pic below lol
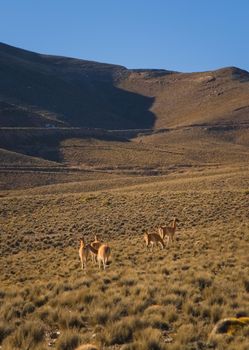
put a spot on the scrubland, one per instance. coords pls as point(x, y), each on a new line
point(160, 299)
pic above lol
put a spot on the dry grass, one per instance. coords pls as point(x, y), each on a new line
point(170, 300)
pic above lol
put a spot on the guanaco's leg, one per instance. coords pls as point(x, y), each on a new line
point(168, 238)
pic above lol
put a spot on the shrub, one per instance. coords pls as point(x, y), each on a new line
point(165, 271)
point(171, 314)
point(186, 334)
point(101, 316)
point(203, 281)
point(40, 301)
point(206, 313)
point(28, 309)
point(192, 310)
point(69, 319)
point(148, 339)
point(172, 299)
point(28, 335)
point(68, 341)
point(246, 285)
point(5, 330)
point(121, 332)
point(157, 321)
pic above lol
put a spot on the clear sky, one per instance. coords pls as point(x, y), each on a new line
point(182, 35)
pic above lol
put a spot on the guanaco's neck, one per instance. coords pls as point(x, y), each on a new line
point(93, 250)
point(82, 244)
point(174, 223)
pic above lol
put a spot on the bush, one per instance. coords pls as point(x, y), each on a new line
point(28, 309)
point(122, 331)
point(5, 330)
point(203, 281)
point(69, 319)
point(27, 336)
point(186, 334)
point(246, 285)
point(68, 341)
point(148, 339)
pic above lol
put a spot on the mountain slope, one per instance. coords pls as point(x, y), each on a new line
point(41, 90)
point(57, 109)
point(67, 91)
point(220, 96)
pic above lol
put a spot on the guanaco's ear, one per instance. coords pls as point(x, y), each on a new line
point(95, 237)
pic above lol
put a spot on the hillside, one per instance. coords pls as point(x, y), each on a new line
point(38, 90)
point(219, 96)
point(81, 113)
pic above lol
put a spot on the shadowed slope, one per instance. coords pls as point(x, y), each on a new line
point(39, 89)
point(66, 91)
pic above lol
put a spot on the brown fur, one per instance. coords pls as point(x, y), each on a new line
point(83, 253)
point(168, 231)
point(95, 244)
point(153, 238)
point(87, 347)
point(103, 254)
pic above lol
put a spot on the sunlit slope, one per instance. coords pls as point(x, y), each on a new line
point(219, 96)
point(37, 90)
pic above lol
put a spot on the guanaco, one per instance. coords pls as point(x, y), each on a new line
point(95, 244)
point(83, 253)
point(168, 231)
point(102, 254)
point(153, 238)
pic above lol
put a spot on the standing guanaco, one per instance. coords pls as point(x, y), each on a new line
point(83, 253)
point(153, 238)
point(95, 244)
point(102, 254)
point(168, 231)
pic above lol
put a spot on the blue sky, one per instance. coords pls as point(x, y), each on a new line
point(182, 35)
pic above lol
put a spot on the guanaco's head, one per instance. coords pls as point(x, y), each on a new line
point(175, 220)
point(82, 242)
point(146, 238)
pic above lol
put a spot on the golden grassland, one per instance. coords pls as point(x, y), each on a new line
point(165, 299)
point(159, 151)
point(59, 185)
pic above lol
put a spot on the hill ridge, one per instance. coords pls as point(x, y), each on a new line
point(39, 90)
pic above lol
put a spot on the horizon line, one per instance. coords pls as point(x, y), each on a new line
point(121, 65)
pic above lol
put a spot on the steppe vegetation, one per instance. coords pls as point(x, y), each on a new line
point(69, 168)
point(166, 299)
